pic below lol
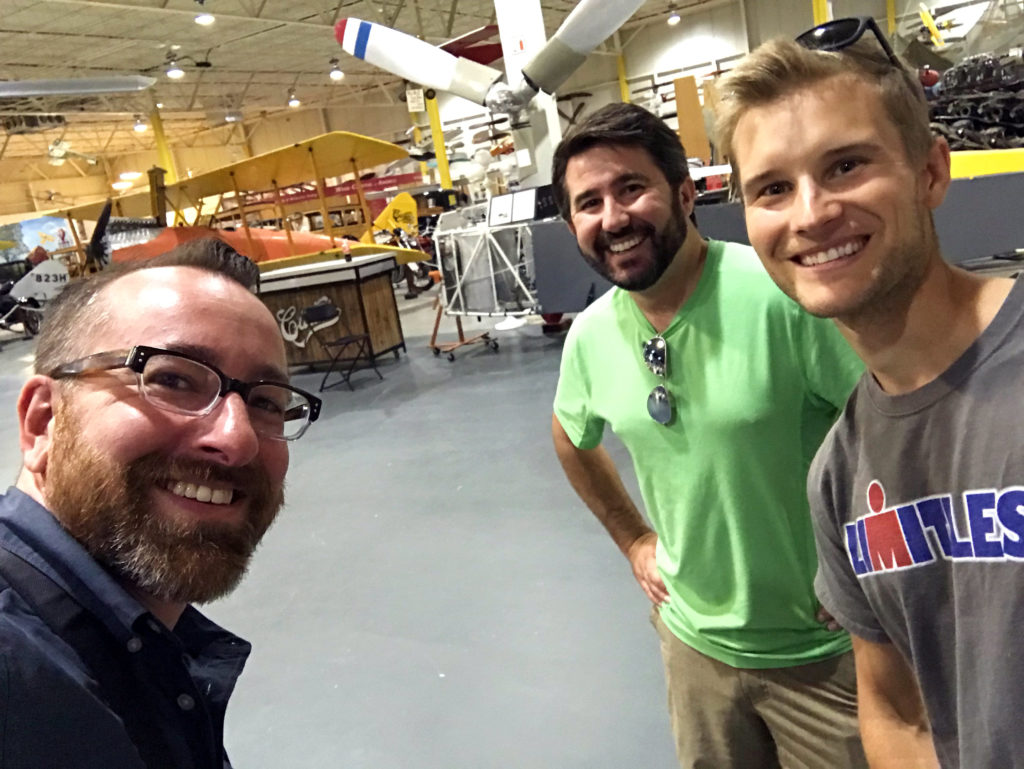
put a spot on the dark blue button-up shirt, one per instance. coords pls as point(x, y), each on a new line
point(52, 715)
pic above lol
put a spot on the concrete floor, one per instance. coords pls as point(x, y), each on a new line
point(434, 596)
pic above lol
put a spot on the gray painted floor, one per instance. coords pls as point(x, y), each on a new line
point(434, 596)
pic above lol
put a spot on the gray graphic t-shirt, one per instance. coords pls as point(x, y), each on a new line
point(918, 507)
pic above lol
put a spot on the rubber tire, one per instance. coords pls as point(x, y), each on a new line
point(30, 322)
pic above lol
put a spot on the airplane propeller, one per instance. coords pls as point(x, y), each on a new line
point(590, 22)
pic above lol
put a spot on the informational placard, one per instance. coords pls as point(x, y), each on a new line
point(524, 205)
point(515, 207)
point(415, 100)
point(500, 210)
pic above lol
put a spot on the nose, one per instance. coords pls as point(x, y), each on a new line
point(614, 215)
point(815, 207)
point(227, 434)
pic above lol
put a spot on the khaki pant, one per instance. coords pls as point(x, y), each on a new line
point(802, 717)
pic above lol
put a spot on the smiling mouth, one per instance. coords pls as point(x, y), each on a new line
point(625, 244)
point(831, 254)
point(199, 492)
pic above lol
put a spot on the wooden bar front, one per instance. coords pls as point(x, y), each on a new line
point(361, 289)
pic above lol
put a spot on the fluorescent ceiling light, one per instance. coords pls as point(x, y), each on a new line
point(129, 176)
point(122, 185)
point(673, 19)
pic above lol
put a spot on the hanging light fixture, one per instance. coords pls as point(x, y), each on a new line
point(121, 185)
point(673, 17)
point(293, 100)
point(205, 18)
point(336, 73)
point(140, 125)
point(129, 176)
point(174, 72)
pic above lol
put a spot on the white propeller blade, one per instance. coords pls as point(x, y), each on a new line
point(410, 58)
point(21, 89)
point(590, 23)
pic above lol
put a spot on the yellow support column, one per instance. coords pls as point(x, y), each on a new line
point(162, 150)
point(440, 151)
point(417, 137)
point(821, 12)
point(623, 85)
point(890, 15)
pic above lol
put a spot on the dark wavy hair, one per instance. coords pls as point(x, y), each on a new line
point(619, 124)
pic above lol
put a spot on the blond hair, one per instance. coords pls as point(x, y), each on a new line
point(780, 67)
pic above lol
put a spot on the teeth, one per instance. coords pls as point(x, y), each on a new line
point(625, 245)
point(200, 493)
point(837, 252)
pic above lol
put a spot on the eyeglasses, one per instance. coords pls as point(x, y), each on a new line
point(178, 382)
point(842, 33)
point(659, 402)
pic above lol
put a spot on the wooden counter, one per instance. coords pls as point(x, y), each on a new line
point(360, 287)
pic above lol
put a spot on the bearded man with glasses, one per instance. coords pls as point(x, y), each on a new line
point(721, 389)
point(917, 494)
point(154, 438)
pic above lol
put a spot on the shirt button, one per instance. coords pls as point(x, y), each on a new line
point(185, 702)
point(134, 644)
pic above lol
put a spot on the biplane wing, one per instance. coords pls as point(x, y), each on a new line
point(331, 155)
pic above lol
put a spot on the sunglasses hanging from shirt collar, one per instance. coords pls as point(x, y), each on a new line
point(659, 402)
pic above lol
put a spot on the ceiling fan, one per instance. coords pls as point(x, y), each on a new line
point(59, 151)
point(54, 197)
point(23, 89)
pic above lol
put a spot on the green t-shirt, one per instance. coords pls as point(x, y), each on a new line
point(756, 383)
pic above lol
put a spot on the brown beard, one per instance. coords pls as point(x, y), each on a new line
point(106, 507)
point(665, 243)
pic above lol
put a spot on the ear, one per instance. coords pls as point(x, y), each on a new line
point(570, 225)
point(35, 422)
point(688, 195)
point(935, 176)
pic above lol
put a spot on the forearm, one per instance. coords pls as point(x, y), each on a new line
point(596, 480)
point(893, 722)
point(890, 743)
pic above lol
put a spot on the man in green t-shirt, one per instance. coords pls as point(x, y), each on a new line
point(721, 389)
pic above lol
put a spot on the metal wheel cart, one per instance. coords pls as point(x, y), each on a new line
point(486, 271)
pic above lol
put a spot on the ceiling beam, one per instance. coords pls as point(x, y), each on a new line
point(451, 19)
point(419, 18)
point(114, 4)
point(394, 17)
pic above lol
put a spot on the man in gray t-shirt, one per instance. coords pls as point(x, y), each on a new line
point(920, 534)
point(917, 493)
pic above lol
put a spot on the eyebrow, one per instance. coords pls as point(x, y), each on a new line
point(828, 155)
point(618, 181)
point(265, 371)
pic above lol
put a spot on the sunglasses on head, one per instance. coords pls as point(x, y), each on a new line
point(838, 34)
point(659, 402)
